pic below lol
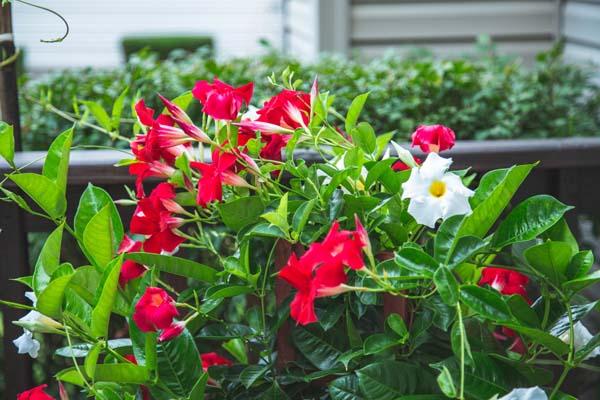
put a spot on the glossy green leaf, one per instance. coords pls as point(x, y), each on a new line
point(322, 349)
point(279, 217)
point(43, 191)
point(416, 260)
point(50, 300)
point(379, 342)
point(487, 303)
point(252, 373)
point(83, 349)
point(120, 373)
point(398, 326)
point(178, 364)
point(302, 215)
point(539, 336)
point(7, 143)
point(48, 260)
point(550, 259)
point(580, 264)
point(560, 232)
point(92, 201)
point(117, 110)
point(446, 284)
point(465, 248)
point(388, 380)
point(198, 390)
point(175, 265)
point(364, 137)
point(446, 236)
point(100, 114)
point(458, 338)
point(56, 165)
point(99, 237)
point(91, 360)
point(446, 383)
point(106, 299)
point(345, 388)
point(354, 111)
point(237, 349)
point(528, 220)
point(522, 311)
point(241, 212)
point(581, 283)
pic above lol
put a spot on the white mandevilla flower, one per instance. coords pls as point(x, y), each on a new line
point(434, 192)
point(532, 393)
point(26, 344)
point(581, 337)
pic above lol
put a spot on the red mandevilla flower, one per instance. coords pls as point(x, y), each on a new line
point(155, 310)
point(505, 281)
point(37, 393)
point(433, 138)
point(212, 359)
point(130, 269)
point(289, 109)
point(214, 175)
point(172, 331)
point(220, 100)
point(153, 219)
point(320, 271)
point(507, 334)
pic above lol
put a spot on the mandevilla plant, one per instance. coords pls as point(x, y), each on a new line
point(360, 272)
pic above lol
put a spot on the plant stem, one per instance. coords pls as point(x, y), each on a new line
point(461, 394)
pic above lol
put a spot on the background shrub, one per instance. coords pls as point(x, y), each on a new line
point(485, 98)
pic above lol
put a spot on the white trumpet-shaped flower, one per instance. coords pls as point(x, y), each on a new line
point(581, 337)
point(26, 344)
point(434, 192)
point(532, 393)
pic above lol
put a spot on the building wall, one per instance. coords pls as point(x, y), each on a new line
point(98, 26)
point(581, 30)
point(446, 27)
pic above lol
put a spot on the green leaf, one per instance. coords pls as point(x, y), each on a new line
point(56, 166)
point(119, 373)
point(446, 383)
point(100, 114)
point(522, 311)
point(7, 143)
point(398, 326)
point(237, 349)
point(354, 111)
point(178, 364)
point(92, 201)
point(301, 215)
point(581, 283)
point(379, 342)
point(539, 336)
point(560, 232)
point(241, 212)
point(446, 285)
point(321, 349)
point(446, 236)
point(198, 390)
point(83, 349)
point(364, 137)
point(106, 299)
point(48, 260)
point(345, 388)
point(43, 191)
point(388, 380)
point(99, 237)
point(416, 260)
point(458, 338)
point(491, 198)
point(550, 259)
point(91, 360)
point(278, 218)
point(528, 220)
point(117, 110)
point(224, 291)
point(487, 303)
point(465, 248)
point(580, 264)
point(252, 373)
point(176, 266)
point(50, 300)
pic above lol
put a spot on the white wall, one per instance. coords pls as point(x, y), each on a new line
point(97, 27)
point(581, 30)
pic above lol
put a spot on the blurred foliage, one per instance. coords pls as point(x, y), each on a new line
point(487, 97)
point(164, 45)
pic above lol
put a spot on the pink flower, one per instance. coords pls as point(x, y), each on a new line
point(153, 219)
point(130, 269)
point(155, 310)
point(215, 175)
point(220, 100)
point(172, 331)
point(37, 393)
point(433, 138)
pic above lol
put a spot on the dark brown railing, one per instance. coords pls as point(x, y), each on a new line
point(569, 169)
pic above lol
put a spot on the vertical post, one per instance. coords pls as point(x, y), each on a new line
point(13, 236)
point(285, 349)
point(334, 26)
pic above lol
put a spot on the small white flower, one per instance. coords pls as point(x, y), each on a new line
point(532, 393)
point(582, 337)
point(26, 344)
point(434, 192)
point(31, 296)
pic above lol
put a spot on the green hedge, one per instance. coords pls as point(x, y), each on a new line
point(164, 45)
point(485, 98)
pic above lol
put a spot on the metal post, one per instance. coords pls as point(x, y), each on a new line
point(13, 236)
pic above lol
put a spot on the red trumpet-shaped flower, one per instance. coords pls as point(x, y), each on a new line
point(130, 269)
point(505, 281)
point(153, 219)
point(155, 310)
point(516, 344)
point(212, 359)
point(433, 138)
point(220, 100)
point(320, 272)
point(215, 175)
point(37, 393)
point(289, 109)
point(172, 331)
point(185, 123)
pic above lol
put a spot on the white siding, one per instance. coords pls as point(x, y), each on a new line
point(98, 26)
point(581, 30)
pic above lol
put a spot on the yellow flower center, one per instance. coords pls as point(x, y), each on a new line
point(437, 188)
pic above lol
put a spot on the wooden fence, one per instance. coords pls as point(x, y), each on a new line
point(569, 169)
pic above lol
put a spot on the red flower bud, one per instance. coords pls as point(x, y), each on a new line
point(433, 138)
point(155, 310)
point(37, 393)
point(130, 269)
